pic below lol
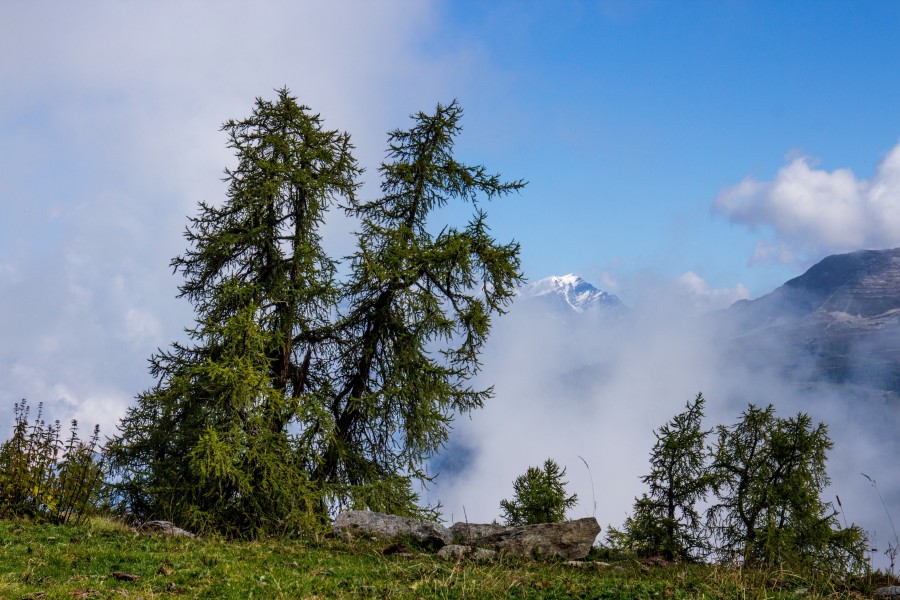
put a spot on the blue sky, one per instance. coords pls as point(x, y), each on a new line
point(629, 119)
point(720, 146)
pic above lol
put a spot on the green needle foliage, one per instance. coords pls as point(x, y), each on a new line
point(539, 496)
point(769, 474)
point(766, 474)
point(299, 393)
point(210, 445)
point(419, 308)
point(665, 520)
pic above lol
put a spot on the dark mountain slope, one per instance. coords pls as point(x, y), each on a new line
point(838, 322)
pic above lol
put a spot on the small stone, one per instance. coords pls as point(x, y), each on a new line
point(891, 591)
point(454, 552)
point(578, 564)
point(457, 552)
point(483, 555)
point(655, 561)
point(167, 528)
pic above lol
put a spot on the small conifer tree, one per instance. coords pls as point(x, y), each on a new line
point(665, 520)
point(539, 496)
point(769, 474)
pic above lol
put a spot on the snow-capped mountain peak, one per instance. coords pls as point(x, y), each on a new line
point(571, 290)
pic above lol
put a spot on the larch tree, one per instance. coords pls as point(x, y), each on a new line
point(209, 445)
point(769, 474)
point(419, 303)
point(299, 393)
point(539, 496)
point(665, 520)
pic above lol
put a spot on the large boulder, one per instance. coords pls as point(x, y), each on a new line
point(571, 540)
point(364, 523)
point(469, 533)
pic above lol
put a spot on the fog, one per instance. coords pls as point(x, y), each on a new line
point(589, 389)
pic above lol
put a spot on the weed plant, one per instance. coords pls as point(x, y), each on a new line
point(44, 476)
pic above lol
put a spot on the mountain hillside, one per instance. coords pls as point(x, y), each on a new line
point(838, 322)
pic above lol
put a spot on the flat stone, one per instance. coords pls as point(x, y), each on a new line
point(454, 552)
point(891, 591)
point(483, 555)
point(458, 551)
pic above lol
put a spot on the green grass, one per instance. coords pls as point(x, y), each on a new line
point(45, 561)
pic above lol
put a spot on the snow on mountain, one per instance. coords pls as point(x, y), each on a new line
point(571, 291)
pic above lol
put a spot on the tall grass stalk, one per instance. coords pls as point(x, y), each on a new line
point(893, 547)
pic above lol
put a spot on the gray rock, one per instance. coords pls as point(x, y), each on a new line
point(468, 533)
point(364, 523)
point(454, 552)
point(578, 564)
point(582, 564)
point(166, 528)
point(892, 591)
point(483, 555)
point(458, 551)
point(571, 540)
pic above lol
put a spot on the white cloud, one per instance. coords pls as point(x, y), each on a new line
point(708, 298)
point(109, 136)
point(596, 389)
point(813, 212)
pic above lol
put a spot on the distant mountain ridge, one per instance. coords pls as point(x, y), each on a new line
point(864, 284)
point(569, 292)
point(838, 322)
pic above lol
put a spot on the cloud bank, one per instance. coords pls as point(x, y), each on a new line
point(812, 212)
point(109, 136)
point(591, 388)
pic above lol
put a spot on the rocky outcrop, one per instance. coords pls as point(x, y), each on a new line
point(363, 523)
point(571, 540)
point(838, 323)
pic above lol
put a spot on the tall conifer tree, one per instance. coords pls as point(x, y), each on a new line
point(209, 444)
point(419, 305)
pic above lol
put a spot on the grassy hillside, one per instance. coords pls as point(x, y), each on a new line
point(103, 559)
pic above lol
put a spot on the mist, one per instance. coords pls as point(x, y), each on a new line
point(589, 389)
